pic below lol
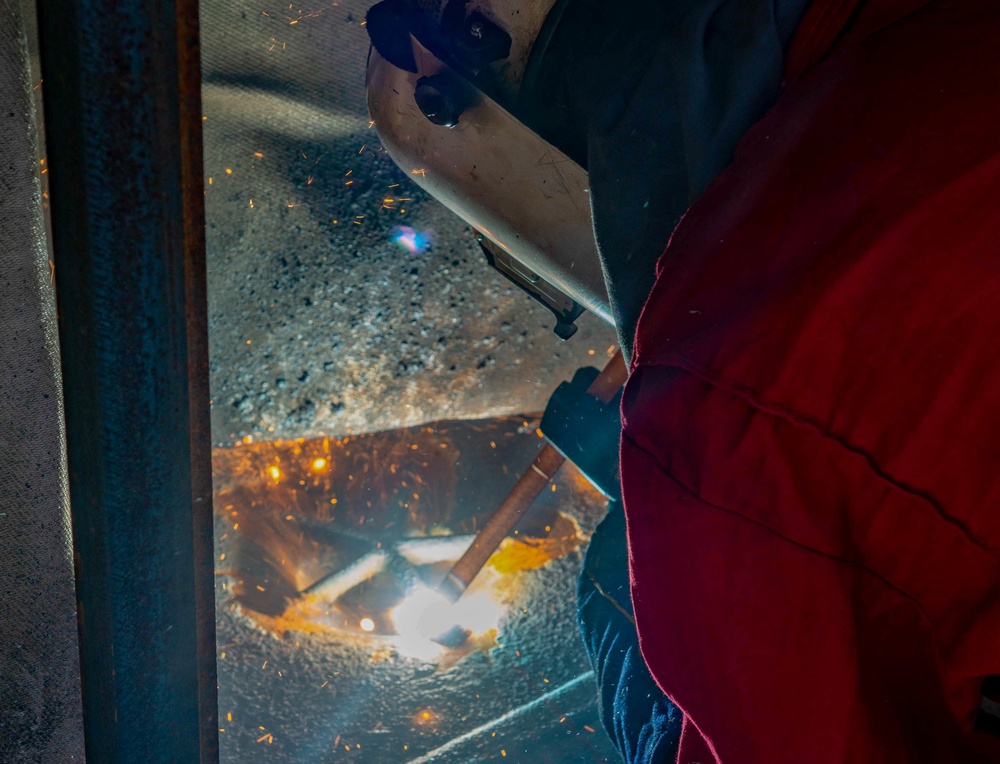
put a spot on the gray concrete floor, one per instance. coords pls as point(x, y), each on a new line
point(320, 324)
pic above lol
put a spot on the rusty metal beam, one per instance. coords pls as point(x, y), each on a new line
point(123, 126)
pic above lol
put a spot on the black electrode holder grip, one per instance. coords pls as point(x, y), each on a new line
point(586, 431)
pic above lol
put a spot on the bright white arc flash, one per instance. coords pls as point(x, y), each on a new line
point(426, 614)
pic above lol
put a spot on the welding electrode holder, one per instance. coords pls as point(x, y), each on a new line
point(605, 388)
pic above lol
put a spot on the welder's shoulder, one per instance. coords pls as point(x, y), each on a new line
point(843, 275)
point(813, 411)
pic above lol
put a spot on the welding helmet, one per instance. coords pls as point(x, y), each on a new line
point(464, 100)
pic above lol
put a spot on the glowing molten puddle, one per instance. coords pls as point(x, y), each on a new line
point(348, 537)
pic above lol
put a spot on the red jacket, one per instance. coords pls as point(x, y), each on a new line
point(811, 450)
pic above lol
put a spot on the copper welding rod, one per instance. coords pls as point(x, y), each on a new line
point(532, 483)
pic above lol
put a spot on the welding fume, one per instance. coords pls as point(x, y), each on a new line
point(788, 211)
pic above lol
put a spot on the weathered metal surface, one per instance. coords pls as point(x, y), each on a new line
point(122, 112)
point(305, 680)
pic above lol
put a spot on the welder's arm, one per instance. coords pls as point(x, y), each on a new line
point(644, 725)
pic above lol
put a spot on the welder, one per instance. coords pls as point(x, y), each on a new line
point(796, 205)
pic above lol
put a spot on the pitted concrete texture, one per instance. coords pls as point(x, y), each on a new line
point(41, 717)
point(319, 323)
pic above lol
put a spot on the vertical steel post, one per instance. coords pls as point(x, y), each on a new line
point(123, 127)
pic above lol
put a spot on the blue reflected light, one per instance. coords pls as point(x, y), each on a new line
point(413, 241)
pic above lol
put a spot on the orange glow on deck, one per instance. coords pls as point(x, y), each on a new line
point(390, 498)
